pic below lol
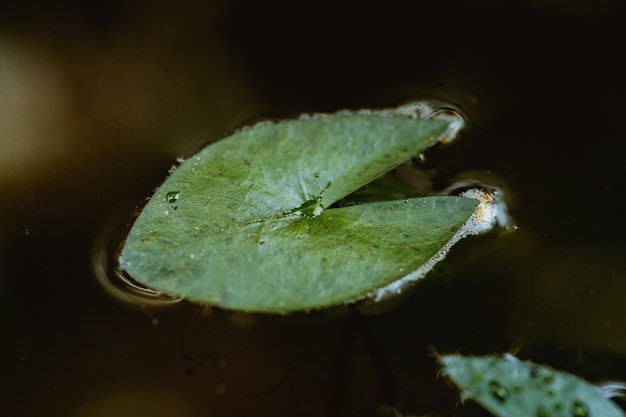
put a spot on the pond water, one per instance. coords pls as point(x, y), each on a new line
point(98, 102)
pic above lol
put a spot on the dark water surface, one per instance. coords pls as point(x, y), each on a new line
point(98, 101)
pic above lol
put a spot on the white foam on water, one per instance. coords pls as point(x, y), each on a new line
point(494, 185)
point(484, 219)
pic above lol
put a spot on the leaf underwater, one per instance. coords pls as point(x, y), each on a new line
point(508, 387)
point(245, 224)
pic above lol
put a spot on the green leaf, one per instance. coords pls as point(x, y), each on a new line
point(508, 387)
point(246, 223)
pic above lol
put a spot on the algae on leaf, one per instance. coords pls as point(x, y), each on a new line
point(508, 387)
point(247, 222)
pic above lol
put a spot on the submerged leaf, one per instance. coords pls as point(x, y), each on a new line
point(508, 387)
point(245, 223)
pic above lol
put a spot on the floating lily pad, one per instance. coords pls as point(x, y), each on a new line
point(508, 387)
point(247, 223)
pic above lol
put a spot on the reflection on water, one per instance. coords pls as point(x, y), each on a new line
point(109, 274)
point(212, 342)
point(127, 399)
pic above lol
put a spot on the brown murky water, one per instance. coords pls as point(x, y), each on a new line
point(98, 101)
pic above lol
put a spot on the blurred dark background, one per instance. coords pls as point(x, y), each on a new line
point(98, 99)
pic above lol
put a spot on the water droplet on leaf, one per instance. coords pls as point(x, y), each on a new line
point(498, 391)
point(535, 371)
point(579, 409)
point(172, 196)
